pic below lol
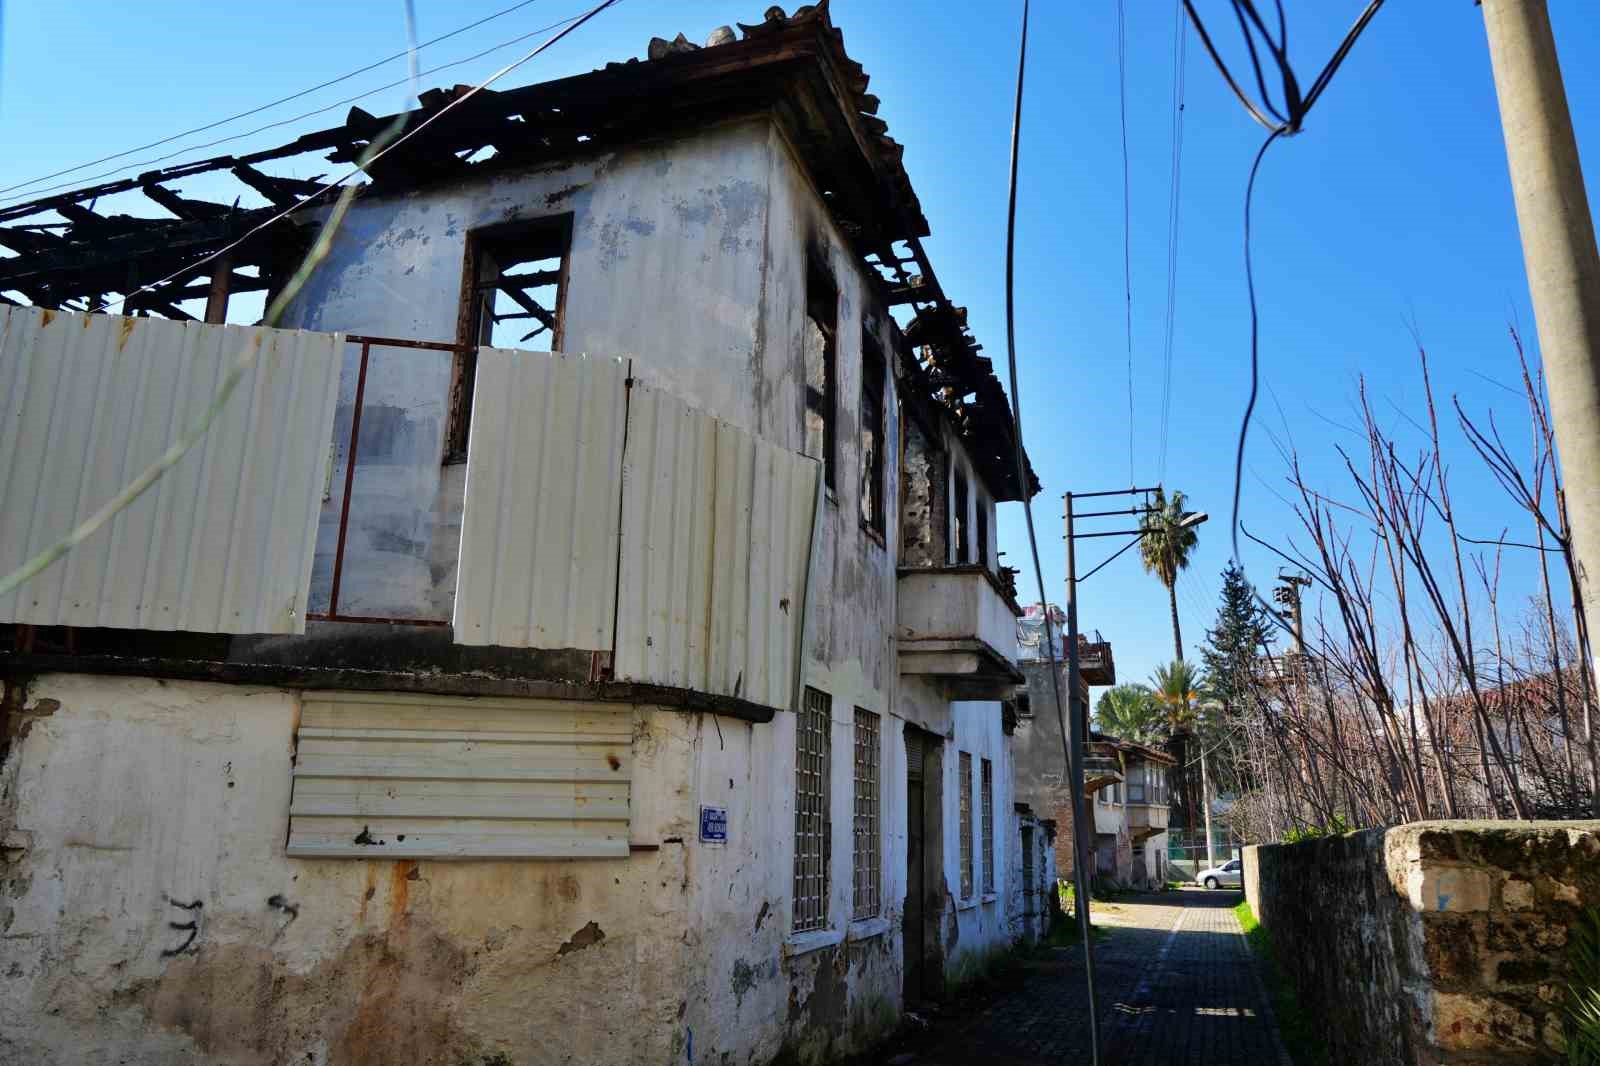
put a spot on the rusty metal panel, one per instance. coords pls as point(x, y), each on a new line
point(717, 529)
point(223, 542)
point(544, 476)
point(384, 775)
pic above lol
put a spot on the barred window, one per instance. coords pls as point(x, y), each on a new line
point(988, 826)
point(869, 847)
point(813, 750)
point(966, 825)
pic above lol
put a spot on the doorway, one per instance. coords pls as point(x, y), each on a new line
point(924, 955)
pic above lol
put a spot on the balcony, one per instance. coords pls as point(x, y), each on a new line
point(1145, 820)
point(1101, 768)
point(1095, 664)
point(958, 625)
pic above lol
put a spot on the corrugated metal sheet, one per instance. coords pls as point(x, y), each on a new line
point(717, 529)
point(223, 542)
point(397, 776)
point(544, 477)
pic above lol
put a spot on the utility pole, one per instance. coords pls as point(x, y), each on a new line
point(1558, 246)
point(1075, 739)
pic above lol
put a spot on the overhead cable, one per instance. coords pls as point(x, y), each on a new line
point(361, 166)
point(1127, 225)
point(187, 149)
point(1280, 121)
point(407, 53)
point(1022, 479)
point(1179, 63)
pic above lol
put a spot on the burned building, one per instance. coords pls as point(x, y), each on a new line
point(579, 638)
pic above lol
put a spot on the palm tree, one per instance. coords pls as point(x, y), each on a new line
point(1176, 688)
point(1164, 546)
point(1129, 712)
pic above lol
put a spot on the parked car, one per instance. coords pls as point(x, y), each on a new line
point(1228, 875)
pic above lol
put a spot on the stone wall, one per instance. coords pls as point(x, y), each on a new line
point(1430, 943)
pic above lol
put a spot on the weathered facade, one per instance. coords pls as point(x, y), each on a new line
point(637, 706)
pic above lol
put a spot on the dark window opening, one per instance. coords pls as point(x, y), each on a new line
point(872, 435)
point(983, 530)
point(822, 314)
point(959, 505)
point(513, 296)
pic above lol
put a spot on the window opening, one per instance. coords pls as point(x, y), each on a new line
point(821, 325)
point(963, 548)
point(983, 529)
point(966, 825)
point(872, 434)
point(988, 826)
point(514, 297)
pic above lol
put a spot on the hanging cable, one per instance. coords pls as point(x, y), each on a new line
point(1127, 228)
point(1179, 62)
point(1027, 504)
point(407, 53)
point(1285, 120)
point(187, 149)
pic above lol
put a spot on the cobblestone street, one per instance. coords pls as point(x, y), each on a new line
point(1177, 985)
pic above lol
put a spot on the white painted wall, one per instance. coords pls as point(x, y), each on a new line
point(127, 794)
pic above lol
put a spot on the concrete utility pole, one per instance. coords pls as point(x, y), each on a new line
point(1558, 245)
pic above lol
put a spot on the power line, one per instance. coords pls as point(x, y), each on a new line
point(187, 149)
point(1127, 228)
point(361, 166)
point(1179, 62)
point(407, 53)
point(1286, 120)
point(1027, 511)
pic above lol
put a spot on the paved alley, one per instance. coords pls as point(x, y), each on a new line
point(1177, 985)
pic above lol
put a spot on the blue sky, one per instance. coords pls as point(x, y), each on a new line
point(1393, 207)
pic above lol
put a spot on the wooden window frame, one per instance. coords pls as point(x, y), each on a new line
point(474, 327)
point(874, 373)
point(822, 308)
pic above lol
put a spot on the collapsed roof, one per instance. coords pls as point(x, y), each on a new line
point(68, 255)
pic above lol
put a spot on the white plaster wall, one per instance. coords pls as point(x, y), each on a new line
point(983, 922)
point(667, 265)
point(127, 794)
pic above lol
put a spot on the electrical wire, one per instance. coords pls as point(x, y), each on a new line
point(1033, 538)
point(1127, 224)
point(1285, 121)
point(1179, 64)
point(408, 54)
point(187, 149)
point(361, 167)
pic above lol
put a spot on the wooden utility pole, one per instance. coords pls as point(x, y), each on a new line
point(1558, 246)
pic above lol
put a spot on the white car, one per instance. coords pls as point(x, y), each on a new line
point(1228, 875)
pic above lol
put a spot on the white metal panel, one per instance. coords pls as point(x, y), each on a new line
point(382, 775)
point(539, 530)
point(717, 529)
point(223, 542)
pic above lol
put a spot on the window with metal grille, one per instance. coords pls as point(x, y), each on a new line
point(813, 750)
point(966, 825)
point(988, 825)
point(869, 847)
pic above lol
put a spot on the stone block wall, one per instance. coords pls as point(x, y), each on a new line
point(1432, 943)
